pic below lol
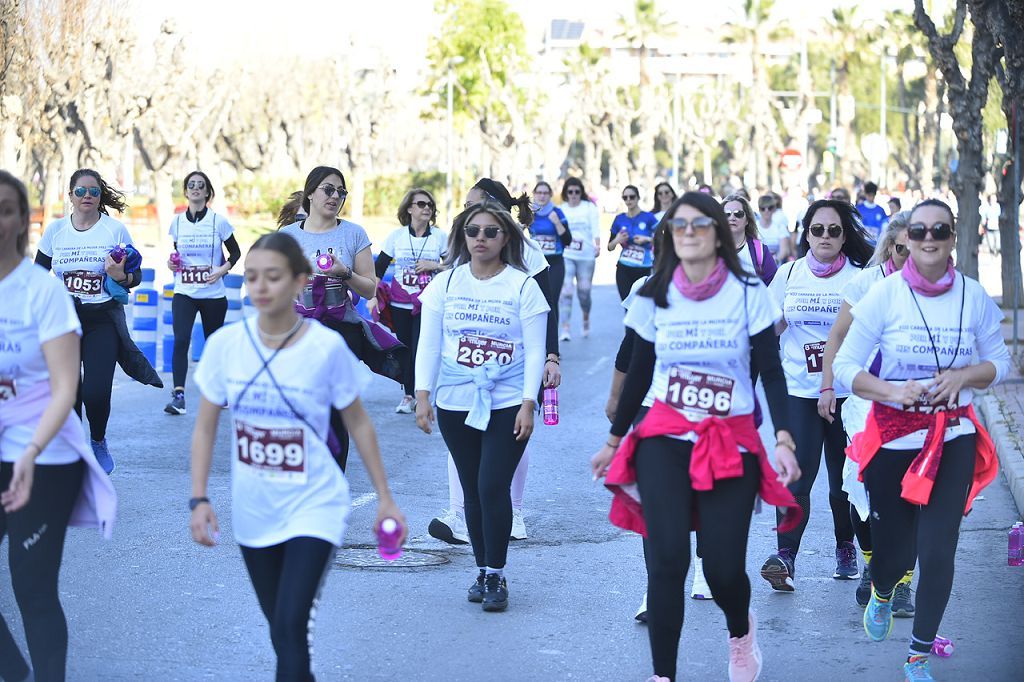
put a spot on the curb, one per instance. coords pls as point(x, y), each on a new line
point(1008, 447)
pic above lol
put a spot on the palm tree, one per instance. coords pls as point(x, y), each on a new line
point(638, 30)
point(850, 40)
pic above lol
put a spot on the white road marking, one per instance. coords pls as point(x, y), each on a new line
point(365, 498)
point(597, 365)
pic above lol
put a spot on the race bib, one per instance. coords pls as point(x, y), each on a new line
point(707, 394)
point(274, 454)
point(409, 277)
point(475, 351)
point(83, 282)
point(631, 253)
point(8, 388)
point(922, 406)
point(576, 245)
point(814, 354)
point(197, 275)
point(547, 243)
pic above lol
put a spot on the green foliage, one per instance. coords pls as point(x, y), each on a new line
point(259, 195)
point(385, 192)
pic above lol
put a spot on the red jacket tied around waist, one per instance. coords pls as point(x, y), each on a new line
point(715, 456)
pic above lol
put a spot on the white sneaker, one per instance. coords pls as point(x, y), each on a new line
point(450, 527)
point(641, 613)
point(745, 655)
point(565, 336)
point(700, 589)
point(518, 525)
point(406, 406)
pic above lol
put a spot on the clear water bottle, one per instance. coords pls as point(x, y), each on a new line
point(324, 261)
point(176, 260)
point(942, 647)
point(118, 253)
point(1015, 552)
point(389, 536)
point(550, 406)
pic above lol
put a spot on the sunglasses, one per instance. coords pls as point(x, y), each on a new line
point(573, 191)
point(331, 190)
point(423, 204)
point(768, 207)
point(739, 215)
point(80, 191)
point(197, 184)
point(473, 231)
point(629, 197)
point(901, 249)
point(834, 231)
point(701, 223)
point(940, 232)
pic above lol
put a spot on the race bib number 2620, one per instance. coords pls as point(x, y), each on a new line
point(475, 351)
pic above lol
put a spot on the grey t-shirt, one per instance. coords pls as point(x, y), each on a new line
point(343, 242)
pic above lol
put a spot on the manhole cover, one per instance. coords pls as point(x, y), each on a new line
point(366, 556)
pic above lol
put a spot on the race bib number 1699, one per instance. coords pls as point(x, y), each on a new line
point(274, 454)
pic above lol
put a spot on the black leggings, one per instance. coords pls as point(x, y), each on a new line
point(37, 545)
point(904, 532)
point(663, 478)
point(626, 276)
point(356, 342)
point(810, 432)
point(407, 329)
point(556, 277)
point(212, 311)
point(486, 462)
point(288, 578)
point(100, 346)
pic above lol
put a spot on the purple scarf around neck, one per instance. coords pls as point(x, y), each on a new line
point(700, 291)
point(820, 269)
point(921, 285)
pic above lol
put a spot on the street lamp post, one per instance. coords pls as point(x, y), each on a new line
point(454, 61)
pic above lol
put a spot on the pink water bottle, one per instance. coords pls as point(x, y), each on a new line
point(550, 406)
point(118, 253)
point(1015, 552)
point(388, 539)
point(942, 647)
point(176, 260)
point(324, 261)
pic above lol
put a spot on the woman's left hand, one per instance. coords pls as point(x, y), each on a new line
point(786, 465)
point(426, 266)
point(946, 387)
point(524, 421)
point(552, 374)
point(388, 509)
point(218, 272)
point(338, 269)
point(19, 492)
point(600, 461)
point(114, 269)
point(640, 240)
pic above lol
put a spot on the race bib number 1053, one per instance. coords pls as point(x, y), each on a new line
point(83, 283)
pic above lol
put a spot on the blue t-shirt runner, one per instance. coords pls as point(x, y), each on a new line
point(635, 255)
point(543, 231)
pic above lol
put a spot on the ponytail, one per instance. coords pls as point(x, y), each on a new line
point(290, 209)
point(525, 212)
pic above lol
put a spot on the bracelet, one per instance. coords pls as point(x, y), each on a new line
point(554, 360)
point(613, 446)
point(196, 501)
point(788, 444)
point(829, 388)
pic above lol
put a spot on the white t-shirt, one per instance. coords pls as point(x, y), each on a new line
point(888, 317)
point(772, 235)
point(201, 247)
point(810, 306)
point(861, 283)
point(491, 315)
point(78, 256)
point(284, 482)
point(36, 309)
point(702, 348)
point(627, 303)
point(405, 250)
point(585, 226)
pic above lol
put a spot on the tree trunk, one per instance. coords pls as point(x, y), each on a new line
point(930, 134)
point(1009, 256)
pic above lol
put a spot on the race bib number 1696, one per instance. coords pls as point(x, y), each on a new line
point(708, 394)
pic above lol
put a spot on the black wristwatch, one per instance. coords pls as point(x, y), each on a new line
point(347, 276)
point(196, 501)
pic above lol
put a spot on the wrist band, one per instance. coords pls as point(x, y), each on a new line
point(827, 389)
point(552, 360)
point(613, 445)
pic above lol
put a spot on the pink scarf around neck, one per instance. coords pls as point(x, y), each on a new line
point(921, 285)
point(820, 269)
point(700, 291)
point(889, 267)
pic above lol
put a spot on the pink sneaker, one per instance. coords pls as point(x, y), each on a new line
point(745, 655)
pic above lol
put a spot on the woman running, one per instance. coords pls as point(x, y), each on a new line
point(80, 249)
point(698, 320)
point(754, 255)
point(200, 236)
point(550, 231)
point(664, 196)
point(416, 249)
point(774, 230)
point(634, 232)
point(580, 255)
point(809, 291)
point(480, 359)
point(281, 375)
point(924, 455)
point(48, 473)
point(890, 255)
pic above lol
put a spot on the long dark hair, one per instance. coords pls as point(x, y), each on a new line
point(750, 229)
point(210, 192)
point(940, 204)
point(665, 264)
point(657, 201)
point(286, 245)
point(109, 197)
point(573, 181)
point(21, 194)
point(458, 251)
point(855, 244)
point(291, 209)
point(498, 192)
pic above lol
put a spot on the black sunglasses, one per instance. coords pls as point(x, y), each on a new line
point(573, 191)
point(329, 191)
point(901, 249)
point(940, 232)
point(834, 231)
point(473, 231)
point(423, 204)
point(629, 197)
point(196, 184)
point(739, 215)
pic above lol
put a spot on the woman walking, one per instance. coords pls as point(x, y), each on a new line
point(754, 255)
point(580, 255)
point(664, 196)
point(550, 231)
point(634, 232)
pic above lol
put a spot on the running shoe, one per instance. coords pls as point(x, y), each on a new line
point(846, 562)
point(495, 593)
point(917, 669)
point(406, 406)
point(878, 618)
point(641, 613)
point(99, 449)
point(864, 589)
point(476, 590)
point(450, 527)
point(177, 404)
point(700, 589)
point(745, 655)
point(586, 328)
point(565, 335)
point(518, 525)
point(903, 601)
point(780, 571)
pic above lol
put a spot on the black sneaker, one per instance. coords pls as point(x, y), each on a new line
point(864, 589)
point(780, 570)
point(177, 404)
point(476, 590)
point(903, 601)
point(846, 562)
point(495, 593)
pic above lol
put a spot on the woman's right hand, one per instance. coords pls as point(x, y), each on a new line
point(827, 406)
point(371, 304)
point(600, 461)
point(205, 529)
point(906, 393)
point(424, 415)
point(172, 266)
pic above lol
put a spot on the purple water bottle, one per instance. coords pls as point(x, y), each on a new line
point(1015, 553)
point(942, 647)
point(550, 406)
point(176, 260)
point(389, 535)
point(324, 261)
point(118, 253)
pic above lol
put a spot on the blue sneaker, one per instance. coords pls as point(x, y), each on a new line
point(878, 618)
point(99, 449)
point(917, 670)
